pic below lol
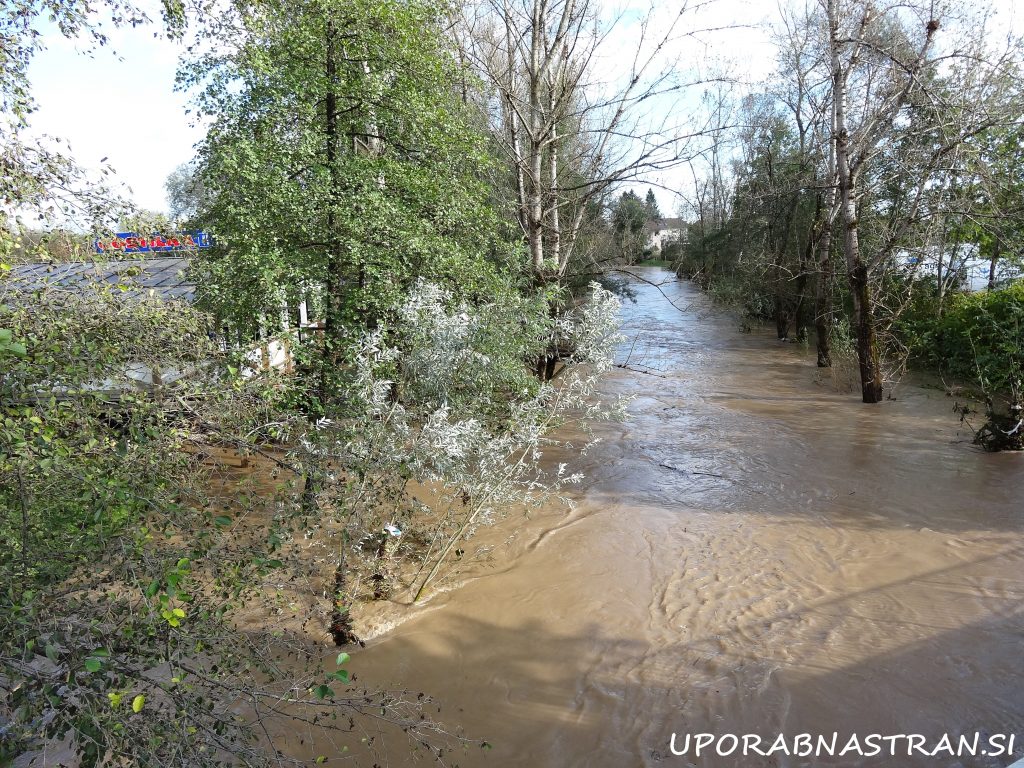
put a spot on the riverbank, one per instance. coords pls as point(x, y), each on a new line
point(751, 552)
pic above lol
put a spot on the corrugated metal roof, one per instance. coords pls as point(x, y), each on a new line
point(167, 278)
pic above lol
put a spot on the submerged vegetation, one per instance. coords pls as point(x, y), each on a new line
point(160, 608)
point(416, 212)
point(869, 184)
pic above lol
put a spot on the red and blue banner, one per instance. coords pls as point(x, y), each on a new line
point(130, 242)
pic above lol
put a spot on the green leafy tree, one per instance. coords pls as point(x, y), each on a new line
point(629, 221)
point(994, 198)
point(651, 204)
point(40, 180)
point(342, 168)
point(340, 165)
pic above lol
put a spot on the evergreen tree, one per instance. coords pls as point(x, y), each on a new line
point(651, 203)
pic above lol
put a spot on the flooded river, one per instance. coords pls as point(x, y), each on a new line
point(752, 552)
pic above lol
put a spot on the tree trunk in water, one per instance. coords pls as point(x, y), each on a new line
point(867, 345)
point(856, 270)
point(823, 298)
point(781, 317)
point(800, 313)
point(823, 318)
point(341, 615)
point(992, 265)
point(341, 620)
point(857, 274)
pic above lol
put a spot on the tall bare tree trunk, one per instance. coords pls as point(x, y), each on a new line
point(860, 288)
point(856, 269)
point(823, 298)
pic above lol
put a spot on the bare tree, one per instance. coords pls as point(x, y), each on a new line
point(799, 87)
point(568, 134)
point(898, 89)
point(876, 62)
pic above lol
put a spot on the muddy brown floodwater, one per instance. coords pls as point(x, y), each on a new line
point(752, 552)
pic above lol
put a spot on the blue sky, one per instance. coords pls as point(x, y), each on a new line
point(119, 102)
point(122, 107)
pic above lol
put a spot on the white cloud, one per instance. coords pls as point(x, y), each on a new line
point(117, 102)
point(124, 107)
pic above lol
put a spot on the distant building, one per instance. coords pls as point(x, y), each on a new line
point(661, 232)
point(165, 278)
point(961, 268)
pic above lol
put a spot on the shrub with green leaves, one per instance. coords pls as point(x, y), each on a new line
point(980, 338)
point(125, 576)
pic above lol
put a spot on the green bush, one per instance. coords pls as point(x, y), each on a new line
point(979, 337)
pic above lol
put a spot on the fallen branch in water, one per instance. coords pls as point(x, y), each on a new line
point(626, 367)
point(691, 471)
point(634, 275)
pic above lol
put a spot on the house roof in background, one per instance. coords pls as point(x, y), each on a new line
point(166, 278)
point(675, 223)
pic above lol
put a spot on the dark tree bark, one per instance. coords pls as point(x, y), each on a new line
point(856, 270)
point(800, 314)
point(782, 316)
point(823, 299)
point(855, 141)
point(342, 631)
point(996, 247)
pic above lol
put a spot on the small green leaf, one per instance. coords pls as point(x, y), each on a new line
point(222, 520)
point(138, 703)
point(323, 691)
point(321, 759)
point(342, 659)
point(93, 665)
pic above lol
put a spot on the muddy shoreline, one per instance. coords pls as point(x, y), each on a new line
point(752, 552)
